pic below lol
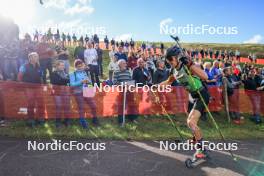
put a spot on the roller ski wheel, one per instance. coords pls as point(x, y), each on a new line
point(198, 158)
point(189, 163)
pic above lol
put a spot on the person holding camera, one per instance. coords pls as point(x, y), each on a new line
point(80, 79)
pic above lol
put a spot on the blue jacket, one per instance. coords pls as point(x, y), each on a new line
point(76, 79)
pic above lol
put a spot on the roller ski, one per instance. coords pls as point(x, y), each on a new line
point(199, 157)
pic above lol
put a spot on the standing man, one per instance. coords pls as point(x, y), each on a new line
point(106, 41)
point(100, 59)
point(91, 60)
point(79, 52)
point(45, 54)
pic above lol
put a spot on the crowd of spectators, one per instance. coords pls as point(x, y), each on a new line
point(29, 60)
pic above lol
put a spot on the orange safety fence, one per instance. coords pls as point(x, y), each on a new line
point(18, 100)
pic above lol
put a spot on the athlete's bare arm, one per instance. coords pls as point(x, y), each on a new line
point(198, 72)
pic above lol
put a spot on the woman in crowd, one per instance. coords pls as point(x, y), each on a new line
point(211, 80)
point(62, 99)
point(80, 79)
point(31, 73)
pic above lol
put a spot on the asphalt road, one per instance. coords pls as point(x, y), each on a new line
point(125, 158)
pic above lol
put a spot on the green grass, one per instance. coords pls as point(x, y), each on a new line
point(147, 128)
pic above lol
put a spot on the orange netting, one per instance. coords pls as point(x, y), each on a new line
point(19, 100)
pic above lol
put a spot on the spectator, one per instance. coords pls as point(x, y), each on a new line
point(122, 44)
point(216, 73)
point(232, 87)
point(69, 39)
point(132, 60)
point(74, 39)
point(143, 46)
point(106, 41)
point(100, 59)
point(95, 39)
point(149, 64)
point(11, 53)
point(62, 100)
point(63, 36)
point(202, 53)
point(79, 79)
point(45, 57)
point(132, 44)
point(121, 76)
point(31, 73)
point(162, 48)
point(112, 43)
point(63, 55)
point(79, 52)
point(237, 54)
point(211, 53)
point(140, 74)
point(112, 53)
point(161, 74)
point(112, 67)
point(91, 60)
point(211, 80)
point(86, 39)
point(250, 85)
point(120, 54)
point(126, 48)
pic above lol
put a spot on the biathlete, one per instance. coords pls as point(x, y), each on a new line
point(191, 77)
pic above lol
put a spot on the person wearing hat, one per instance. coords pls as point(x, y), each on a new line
point(191, 77)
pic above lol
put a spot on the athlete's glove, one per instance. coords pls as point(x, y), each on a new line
point(186, 61)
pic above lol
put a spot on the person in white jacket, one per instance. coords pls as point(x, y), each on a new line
point(91, 60)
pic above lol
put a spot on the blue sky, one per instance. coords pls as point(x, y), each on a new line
point(142, 19)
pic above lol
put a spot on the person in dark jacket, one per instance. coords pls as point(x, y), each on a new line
point(251, 86)
point(140, 74)
point(161, 74)
point(62, 100)
point(100, 59)
point(31, 73)
point(79, 52)
point(232, 86)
